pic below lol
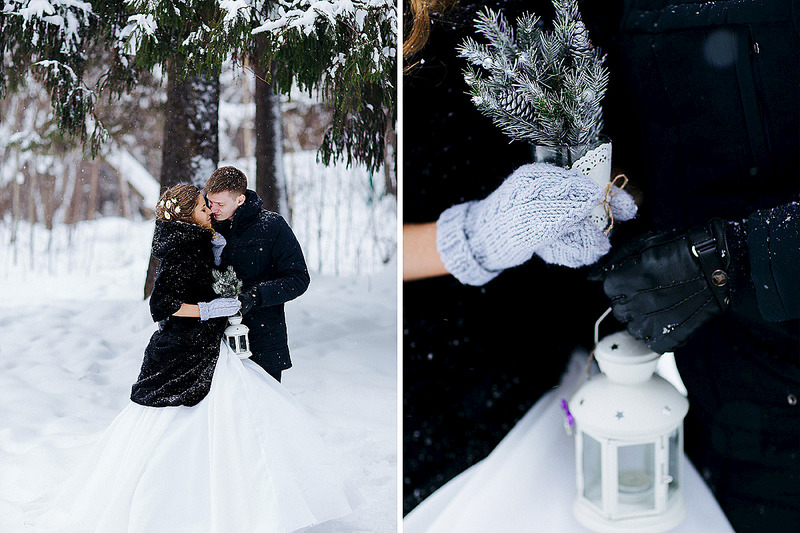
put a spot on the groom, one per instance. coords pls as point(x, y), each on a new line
point(267, 258)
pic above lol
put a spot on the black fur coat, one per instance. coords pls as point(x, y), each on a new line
point(180, 359)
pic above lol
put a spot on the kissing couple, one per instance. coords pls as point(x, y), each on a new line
point(210, 442)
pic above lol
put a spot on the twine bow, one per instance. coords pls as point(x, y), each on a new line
point(608, 193)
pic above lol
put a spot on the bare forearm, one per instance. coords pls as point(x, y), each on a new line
point(188, 310)
point(420, 257)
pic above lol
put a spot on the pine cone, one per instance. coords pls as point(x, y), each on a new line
point(515, 104)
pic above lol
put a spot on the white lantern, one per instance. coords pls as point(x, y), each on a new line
point(236, 336)
point(628, 442)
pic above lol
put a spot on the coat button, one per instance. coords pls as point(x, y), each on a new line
point(719, 278)
point(791, 399)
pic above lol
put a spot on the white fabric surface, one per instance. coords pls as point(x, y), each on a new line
point(527, 483)
point(244, 460)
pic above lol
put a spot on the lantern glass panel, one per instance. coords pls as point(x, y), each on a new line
point(592, 471)
point(674, 458)
point(636, 467)
point(232, 343)
point(243, 342)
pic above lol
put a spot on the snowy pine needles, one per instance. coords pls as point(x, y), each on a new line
point(226, 283)
point(540, 87)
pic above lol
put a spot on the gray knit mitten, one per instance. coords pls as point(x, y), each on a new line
point(219, 307)
point(584, 242)
point(218, 243)
point(531, 209)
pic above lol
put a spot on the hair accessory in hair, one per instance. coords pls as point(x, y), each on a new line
point(171, 208)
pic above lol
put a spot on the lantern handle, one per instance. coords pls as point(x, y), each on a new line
point(597, 326)
point(569, 420)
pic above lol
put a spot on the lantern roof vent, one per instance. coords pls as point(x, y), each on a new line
point(624, 359)
point(627, 401)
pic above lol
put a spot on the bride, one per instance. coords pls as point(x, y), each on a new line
point(209, 442)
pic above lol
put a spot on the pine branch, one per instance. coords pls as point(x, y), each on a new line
point(537, 86)
point(226, 283)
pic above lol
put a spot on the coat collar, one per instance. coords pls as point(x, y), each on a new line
point(170, 236)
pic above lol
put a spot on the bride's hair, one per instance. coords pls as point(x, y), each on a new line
point(178, 203)
point(420, 25)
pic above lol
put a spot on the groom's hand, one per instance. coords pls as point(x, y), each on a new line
point(249, 299)
point(664, 286)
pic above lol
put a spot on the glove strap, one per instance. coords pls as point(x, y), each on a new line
point(709, 246)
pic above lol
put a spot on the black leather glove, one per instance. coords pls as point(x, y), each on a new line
point(249, 299)
point(664, 286)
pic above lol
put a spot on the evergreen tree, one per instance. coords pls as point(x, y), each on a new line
point(53, 41)
point(346, 50)
point(159, 33)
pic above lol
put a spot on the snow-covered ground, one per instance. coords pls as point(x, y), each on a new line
point(73, 326)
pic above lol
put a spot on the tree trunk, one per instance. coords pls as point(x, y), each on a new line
point(124, 197)
point(68, 190)
point(270, 183)
point(47, 192)
point(32, 210)
point(16, 210)
point(247, 132)
point(389, 159)
point(74, 209)
point(93, 189)
point(190, 151)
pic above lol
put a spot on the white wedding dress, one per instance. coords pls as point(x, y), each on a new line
point(244, 460)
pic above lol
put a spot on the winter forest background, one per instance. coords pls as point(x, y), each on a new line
point(102, 105)
point(299, 94)
point(344, 217)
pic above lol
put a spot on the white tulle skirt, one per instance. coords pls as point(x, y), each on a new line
point(244, 460)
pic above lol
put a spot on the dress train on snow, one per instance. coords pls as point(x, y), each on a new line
point(246, 459)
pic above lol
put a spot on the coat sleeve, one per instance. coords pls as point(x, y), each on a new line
point(289, 265)
point(169, 288)
point(773, 242)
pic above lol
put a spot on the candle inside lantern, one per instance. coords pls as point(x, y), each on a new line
point(636, 474)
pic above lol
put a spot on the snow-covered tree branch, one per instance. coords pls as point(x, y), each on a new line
point(345, 49)
point(541, 87)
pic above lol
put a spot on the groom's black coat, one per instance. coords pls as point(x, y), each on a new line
point(266, 256)
point(180, 359)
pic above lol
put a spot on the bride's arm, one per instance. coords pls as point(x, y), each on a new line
point(420, 258)
point(188, 310)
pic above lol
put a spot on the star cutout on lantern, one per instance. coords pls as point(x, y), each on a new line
point(615, 346)
point(619, 415)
